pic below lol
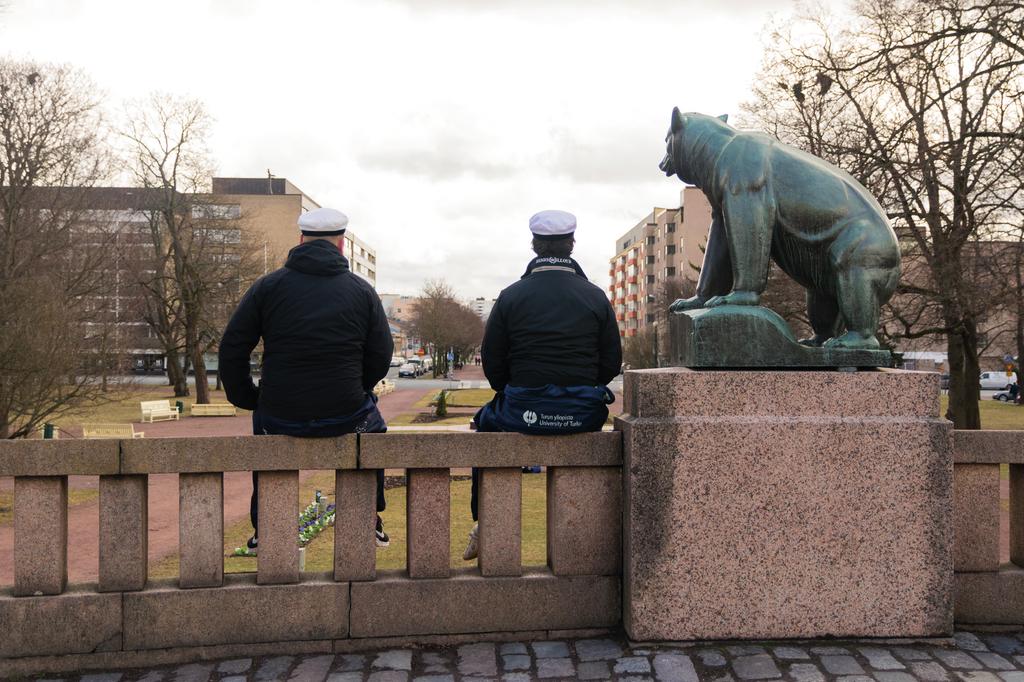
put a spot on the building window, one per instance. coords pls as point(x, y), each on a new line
point(650, 240)
point(650, 260)
point(670, 228)
point(670, 250)
point(670, 272)
point(650, 318)
point(650, 279)
point(217, 211)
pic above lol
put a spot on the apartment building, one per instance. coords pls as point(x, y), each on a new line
point(482, 306)
point(272, 206)
point(666, 243)
point(399, 307)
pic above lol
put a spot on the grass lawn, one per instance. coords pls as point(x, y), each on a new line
point(994, 414)
point(460, 397)
point(123, 406)
point(320, 552)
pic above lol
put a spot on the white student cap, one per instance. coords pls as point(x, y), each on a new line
point(552, 224)
point(323, 222)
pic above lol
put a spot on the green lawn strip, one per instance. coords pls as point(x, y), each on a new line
point(320, 553)
point(459, 397)
point(76, 496)
point(123, 406)
point(994, 414)
point(237, 533)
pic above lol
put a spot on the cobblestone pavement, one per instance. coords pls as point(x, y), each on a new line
point(971, 657)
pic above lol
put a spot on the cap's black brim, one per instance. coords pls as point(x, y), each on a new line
point(552, 237)
point(308, 233)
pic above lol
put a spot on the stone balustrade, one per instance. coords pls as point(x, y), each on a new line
point(125, 617)
point(988, 591)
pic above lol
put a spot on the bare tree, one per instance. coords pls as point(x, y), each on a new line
point(444, 323)
point(53, 316)
point(166, 139)
point(921, 101)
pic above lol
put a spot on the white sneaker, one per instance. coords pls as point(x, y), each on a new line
point(473, 547)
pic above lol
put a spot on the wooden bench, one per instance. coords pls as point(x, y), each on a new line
point(153, 410)
point(214, 410)
point(110, 431)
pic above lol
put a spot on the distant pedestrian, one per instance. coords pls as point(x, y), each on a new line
point(326, 344)
point(550, 348)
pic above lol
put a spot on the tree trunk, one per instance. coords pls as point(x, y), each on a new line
point(217, 386)
point(177, 375)
point(964, 373)
point(202, 382)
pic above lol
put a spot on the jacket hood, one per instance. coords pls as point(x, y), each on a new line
point(317, 257)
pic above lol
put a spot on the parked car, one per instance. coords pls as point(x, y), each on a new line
point(409, 370)
point(995, 381)
point(397, 361)
point(1003, 397)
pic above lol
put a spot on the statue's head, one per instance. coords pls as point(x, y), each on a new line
point(675, 161)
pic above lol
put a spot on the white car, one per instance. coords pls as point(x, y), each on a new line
point(397, 361)
point(995, 381)
point(408, 370)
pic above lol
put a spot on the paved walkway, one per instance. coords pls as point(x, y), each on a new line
point(970, 657)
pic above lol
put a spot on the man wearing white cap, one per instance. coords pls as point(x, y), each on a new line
point(550, 347)
point(326, 344)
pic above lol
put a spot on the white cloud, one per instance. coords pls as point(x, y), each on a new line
point(438, 126)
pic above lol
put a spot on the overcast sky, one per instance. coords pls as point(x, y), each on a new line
point(438, 126)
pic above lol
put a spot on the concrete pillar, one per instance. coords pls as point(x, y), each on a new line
point(976, 517)
point(201, 530)
point(277, 560)
point(428, 522)
point(786, 504)
point(40, 535)
point(501, 511)
point(124, 533)
point(355, 548)
point(584, 509)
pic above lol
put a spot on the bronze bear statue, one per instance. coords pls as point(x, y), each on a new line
point(771, 200)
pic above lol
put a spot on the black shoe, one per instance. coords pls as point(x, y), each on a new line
point(382, 538)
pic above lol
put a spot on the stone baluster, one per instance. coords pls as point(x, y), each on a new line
point(501, 509)
point(355, 550)
point(124, 533)
point(278, 558)
point(584, 520)
point(428, 522)
point(976, 517)
point(201, 529)
point(40, 535)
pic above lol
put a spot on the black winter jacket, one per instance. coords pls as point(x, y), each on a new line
point(326, 339)
point(551, 327)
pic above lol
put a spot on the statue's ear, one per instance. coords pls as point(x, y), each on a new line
point(724, 118)
point(677, 120)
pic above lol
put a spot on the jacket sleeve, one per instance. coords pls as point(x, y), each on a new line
point(494, 349)
point(240, 337)
point(610, 351)
point(379, 346)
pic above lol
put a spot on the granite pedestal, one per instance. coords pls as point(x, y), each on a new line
point(786, 504)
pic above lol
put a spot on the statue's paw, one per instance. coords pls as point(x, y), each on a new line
point(813, 342)
point(734, 298)
point(681, 304)
point(854, 340)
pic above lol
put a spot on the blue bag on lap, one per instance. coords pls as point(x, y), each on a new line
point(546, 410)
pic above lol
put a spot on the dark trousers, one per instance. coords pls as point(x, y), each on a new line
point(368, 420)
